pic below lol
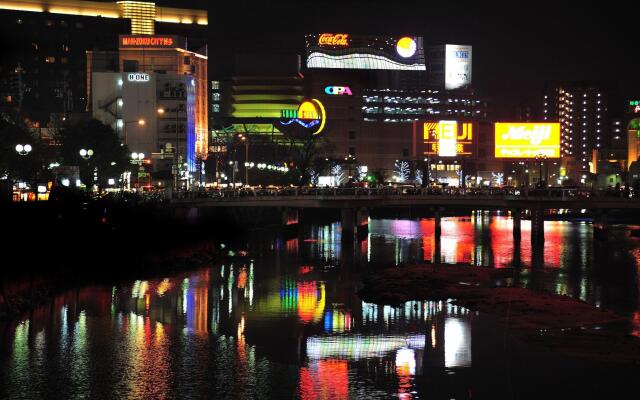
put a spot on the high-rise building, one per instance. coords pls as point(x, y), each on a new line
point(43, 68)
point(583, 111)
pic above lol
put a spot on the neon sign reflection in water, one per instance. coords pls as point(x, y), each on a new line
point(457, 343)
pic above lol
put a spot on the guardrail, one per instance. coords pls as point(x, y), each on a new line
point(457, 193)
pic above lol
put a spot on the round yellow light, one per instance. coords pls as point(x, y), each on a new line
point(406, 47)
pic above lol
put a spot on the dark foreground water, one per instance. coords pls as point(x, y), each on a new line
point(287, 323)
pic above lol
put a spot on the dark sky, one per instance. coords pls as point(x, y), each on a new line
point(517, 46)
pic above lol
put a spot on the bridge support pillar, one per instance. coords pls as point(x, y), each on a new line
point(600, 225)
point(290, 216)
point(348, 221)
point(437, 220)
point(537, 226)
point(516, 215)
point(362, 222)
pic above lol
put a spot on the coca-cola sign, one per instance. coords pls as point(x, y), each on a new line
point(334, 39)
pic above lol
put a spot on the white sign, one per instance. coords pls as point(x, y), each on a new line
point(447, 138)
point(138, 77)
point(457, 66)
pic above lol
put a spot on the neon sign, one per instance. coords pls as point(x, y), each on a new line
point(446, 139)
point(149, 41)
point(338, 90)
point(331, 39)
point(138, 77)
point(310, 115)
point(634, 105)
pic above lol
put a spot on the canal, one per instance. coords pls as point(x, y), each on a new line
point(285, 321)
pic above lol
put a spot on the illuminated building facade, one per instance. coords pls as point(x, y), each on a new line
point(373, 89)
point(389, 105)
point(160, 83)
point(583, 112)
point(44, 73)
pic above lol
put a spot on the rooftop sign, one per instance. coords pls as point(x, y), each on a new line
point(151, 41)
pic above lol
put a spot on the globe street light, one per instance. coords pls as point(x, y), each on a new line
point(23, 150)
point(86, 154)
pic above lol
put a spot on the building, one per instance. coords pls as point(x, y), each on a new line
point(377, 89)
point(156, 99)
point(583, 110)
point(43, 71)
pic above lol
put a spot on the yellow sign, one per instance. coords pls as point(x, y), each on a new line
point(527, 140)
point(446, 139)
point(307, 110)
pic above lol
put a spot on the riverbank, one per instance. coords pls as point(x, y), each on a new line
point(52, 248)
point(561, 323)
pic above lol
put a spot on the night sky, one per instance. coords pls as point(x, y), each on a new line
point(518, 47)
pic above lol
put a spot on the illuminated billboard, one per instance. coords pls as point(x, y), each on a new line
point(527, 140)
point(346, 51)
point(444, 138)
point(457, 66)
point(308, 120)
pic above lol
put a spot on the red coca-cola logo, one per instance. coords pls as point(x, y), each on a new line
point(334, 39)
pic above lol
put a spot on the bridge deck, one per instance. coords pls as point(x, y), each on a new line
point(390, 201)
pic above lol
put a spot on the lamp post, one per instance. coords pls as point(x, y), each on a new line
point(541, 158)
point(245, 139)
point(137, 158)
point(87, 154)
point(23, 150)
point(233, 173)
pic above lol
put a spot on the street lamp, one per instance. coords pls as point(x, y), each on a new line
point(86, 154)
point(23, 150)
point(176, 166)
point(244, 138)
point(137, 158)
point(541, 158)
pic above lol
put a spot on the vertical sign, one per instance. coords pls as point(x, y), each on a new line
point(447, 132)
point(457, 66)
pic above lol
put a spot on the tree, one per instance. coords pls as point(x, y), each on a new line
point(402, 171)
point(110, 157)
point(309, 157)
point(14, 131)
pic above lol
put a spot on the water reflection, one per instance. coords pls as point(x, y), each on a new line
point(289, 323)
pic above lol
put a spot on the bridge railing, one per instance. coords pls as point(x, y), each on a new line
point(324, 193)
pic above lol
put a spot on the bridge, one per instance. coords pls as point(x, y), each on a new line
point(355, 203)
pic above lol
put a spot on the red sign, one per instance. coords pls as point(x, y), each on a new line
point(149, 41)
point(331, 39)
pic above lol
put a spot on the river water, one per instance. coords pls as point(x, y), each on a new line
point(286, 322)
